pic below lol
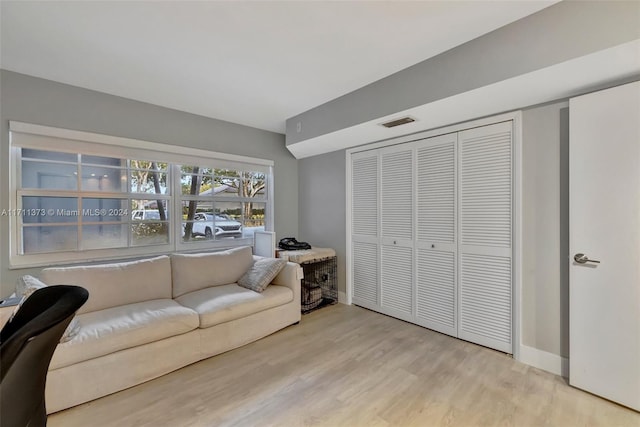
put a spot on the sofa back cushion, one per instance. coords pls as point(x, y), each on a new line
point(192, 272)
point(112, 285)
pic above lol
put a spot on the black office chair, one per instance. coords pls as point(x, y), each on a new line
point(27, 344)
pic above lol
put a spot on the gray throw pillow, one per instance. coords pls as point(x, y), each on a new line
point(261, 273)
point(27, 285)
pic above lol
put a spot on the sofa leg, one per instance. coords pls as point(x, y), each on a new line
point(297, 323)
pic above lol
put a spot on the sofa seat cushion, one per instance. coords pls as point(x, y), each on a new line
point(113, 329)
point(220, 304)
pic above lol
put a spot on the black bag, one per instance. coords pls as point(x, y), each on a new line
point(291, 244)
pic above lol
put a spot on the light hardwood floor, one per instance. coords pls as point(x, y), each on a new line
point(347, 366)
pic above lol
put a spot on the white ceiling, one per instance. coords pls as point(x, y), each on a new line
point(254, 63)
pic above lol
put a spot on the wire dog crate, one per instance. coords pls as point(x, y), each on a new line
point(320, 284)
point(319, 287)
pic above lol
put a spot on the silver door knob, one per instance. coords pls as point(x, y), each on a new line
point(583, 259)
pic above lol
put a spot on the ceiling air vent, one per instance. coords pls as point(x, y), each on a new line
point(398, 122)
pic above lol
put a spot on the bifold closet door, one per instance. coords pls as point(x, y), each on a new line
point(485, 224)
point(364, 228)
point(396, 226)
point(436, 299)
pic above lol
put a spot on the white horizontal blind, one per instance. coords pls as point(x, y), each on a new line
point(28, 135)
point(485, 277)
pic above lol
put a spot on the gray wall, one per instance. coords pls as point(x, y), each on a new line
point(321, 198)
point(561, 32)
point(545, 228)
point(33, 100)
point(545, 221)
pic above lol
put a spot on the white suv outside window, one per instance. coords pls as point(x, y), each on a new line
point(218, 225)
point(142, 215)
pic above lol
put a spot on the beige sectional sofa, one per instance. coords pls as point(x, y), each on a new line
point(147, 318)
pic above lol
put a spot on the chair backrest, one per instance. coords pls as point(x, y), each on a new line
point(27, 344)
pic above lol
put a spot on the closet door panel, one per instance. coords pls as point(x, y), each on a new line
point(364, 229)
point(396, 218)
point(485, 218)
point(436, 295)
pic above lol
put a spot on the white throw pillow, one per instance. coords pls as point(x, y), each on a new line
point(261, 273)
point(26, 286)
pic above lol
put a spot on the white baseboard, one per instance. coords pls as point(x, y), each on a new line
point(342, 297)
point(544, 360)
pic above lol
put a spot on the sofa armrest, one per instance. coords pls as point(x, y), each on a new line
point(290, 277)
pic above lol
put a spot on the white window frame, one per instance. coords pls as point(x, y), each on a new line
point(27, 135)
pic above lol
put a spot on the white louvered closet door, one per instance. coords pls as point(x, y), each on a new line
point(396, 221)
point(485, 223)
point(436, 295)
point(364, 228)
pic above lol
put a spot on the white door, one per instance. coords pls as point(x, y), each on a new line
point(396, 229)
point(436, 237)
point(604, 205)
point(364, 228)
point(485, 224)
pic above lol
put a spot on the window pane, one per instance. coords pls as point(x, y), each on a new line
point(228, 220)
point(146, 209)
point(104, 236)
point(197, 220)
point(255, 184)
point(39, 210)
point(105, 210)
point(191, 207)
point(227, 183)
point(95, 178)
point(49, 239)
point(54, 176)
point(195, 180)
point(149, 233)
point(28, 153)
point(147, 181)
point(254, 214)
